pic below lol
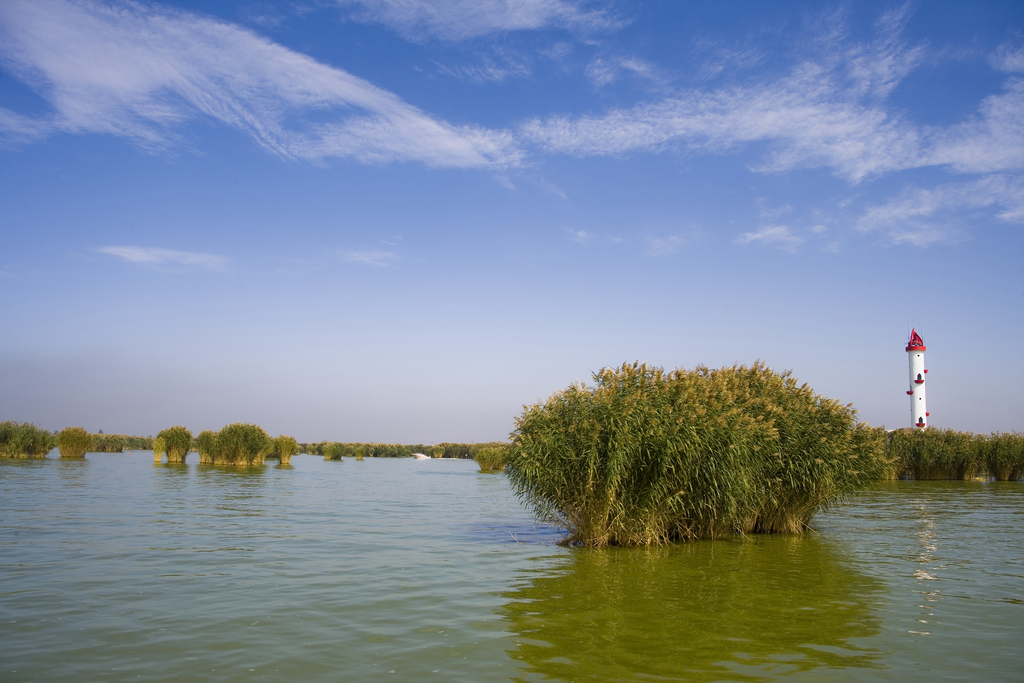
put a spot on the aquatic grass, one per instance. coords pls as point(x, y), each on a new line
point(646, 457)
point(242, 444)
point(1005, 456)
point(116, 443)
point(389, 450)
point(178, 441)
point(73, 442)
point(936, 454)
point(206, 444)
point(24, 440)
point(335, 451)
point(109, 443)
point(159, 446)
point(492, 458)
point(943, 454)
point(284, 448)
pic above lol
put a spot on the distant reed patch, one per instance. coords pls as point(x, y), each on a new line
point(492, 457)
point(24, 440)
point(73, 442)
point(177, 441)
point(934, 453)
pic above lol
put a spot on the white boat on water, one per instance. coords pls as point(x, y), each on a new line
point(421, 456)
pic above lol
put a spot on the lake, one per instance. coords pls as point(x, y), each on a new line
point(118, 569)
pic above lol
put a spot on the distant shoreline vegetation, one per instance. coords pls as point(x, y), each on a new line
point(25, 440)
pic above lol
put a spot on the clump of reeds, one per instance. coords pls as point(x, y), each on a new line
point(242, 444)
point(934, 453)
point(335, 451)
point(109, 443)
point(647, 457)
point(284, 448)
point(1005, 456)
point(178, 441)
point(159, 446)
point(115, 443)
point(492, 458)
point(206, 444)
point(24, 440)
point(73, 442)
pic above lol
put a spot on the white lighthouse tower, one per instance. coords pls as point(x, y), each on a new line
point(918, 405)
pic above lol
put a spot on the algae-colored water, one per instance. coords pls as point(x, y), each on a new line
point(116, 569)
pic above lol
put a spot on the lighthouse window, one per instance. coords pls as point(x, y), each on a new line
point(919, 375)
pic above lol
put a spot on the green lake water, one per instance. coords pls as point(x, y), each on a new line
point(116, 569)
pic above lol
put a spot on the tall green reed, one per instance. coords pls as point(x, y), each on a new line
point(159, 446)
point(178, 441)
point(242, 444)
point(284, 448)
point(24, 440)
point(1005, 456)
point(73, 442)
point(646, 457)
point(492, 458)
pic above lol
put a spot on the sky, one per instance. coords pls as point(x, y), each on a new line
point(404, 220)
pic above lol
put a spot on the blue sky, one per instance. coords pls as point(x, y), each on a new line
point(401, 220)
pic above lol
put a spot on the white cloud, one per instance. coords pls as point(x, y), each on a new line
point(921, 216)
point(605, 70)
point(714, 59)
point(802, 114)
point(15, 128)
point(773, 212)
point(156, 256)
point(776, 235)
point(463, 19)
point(490, 69)
point(1009, 58)
point(141, 71)
point(663, 246)
point(580, 236)
point(876, 68)
point(370, 258)
point(828, 111)
point(991, 141)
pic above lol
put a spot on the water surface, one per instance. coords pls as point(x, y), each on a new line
point(116, 569)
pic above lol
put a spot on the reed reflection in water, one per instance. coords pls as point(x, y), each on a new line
point(703, 611)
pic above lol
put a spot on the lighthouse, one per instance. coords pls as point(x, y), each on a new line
point(918, 405)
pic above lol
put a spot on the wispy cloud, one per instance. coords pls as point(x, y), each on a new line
point(141, 71)
point(370, 257)
point(991, 141)
point(580, 236)
point(663, 246)
point(921, 216)
point(828, 111)
point(489, 69)
point(772, 212)
point(463, 19)
point(775, 235)
point(1009, 58)
point(157, 256)
point(603, 71)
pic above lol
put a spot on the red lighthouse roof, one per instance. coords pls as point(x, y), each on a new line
point(916, 343)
